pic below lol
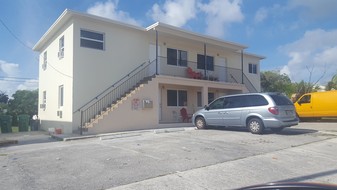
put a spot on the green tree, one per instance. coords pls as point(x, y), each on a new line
point(24, 102)
point(332, 85)
point(272, 81)
point(3, 97)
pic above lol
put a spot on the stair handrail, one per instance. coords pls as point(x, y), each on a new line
point(112, 86)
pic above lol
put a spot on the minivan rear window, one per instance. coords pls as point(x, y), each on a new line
point(280, 100)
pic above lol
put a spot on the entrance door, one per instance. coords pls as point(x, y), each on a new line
point(222, 71)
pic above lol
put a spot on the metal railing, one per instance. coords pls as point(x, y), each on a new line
point(116, 91)
point(174, 67)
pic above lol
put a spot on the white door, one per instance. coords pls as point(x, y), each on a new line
point(152, 58)
point(222, 71)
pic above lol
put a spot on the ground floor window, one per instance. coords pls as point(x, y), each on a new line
point(199, 99)
point(176, 97)
point(211, 97)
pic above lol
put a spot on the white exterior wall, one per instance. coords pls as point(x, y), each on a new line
point(58, 72)
point(96, 70)
point(255, 79)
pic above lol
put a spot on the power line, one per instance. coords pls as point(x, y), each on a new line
point(12, 33)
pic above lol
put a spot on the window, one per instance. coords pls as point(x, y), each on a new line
point(44, 97)
point(209, 62)
point(281, 100)
point(256, 100)
point(252, 68)
point(61, 95)
point(176, 57)
point(92, 40)
point(45, 60)
point(176, 97)
point(305, 99)
point(199, 99)
point(61, 48)
point(210, 97)
point(217, 104)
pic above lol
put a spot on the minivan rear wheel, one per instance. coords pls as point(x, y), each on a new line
point(200, 123)
point(255, 126)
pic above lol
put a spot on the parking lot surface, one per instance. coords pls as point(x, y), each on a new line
point(219, 158)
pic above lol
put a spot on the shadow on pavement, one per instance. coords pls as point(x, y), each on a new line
point(286, 131)
point(23, 138)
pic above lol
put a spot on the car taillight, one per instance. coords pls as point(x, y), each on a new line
point(273, 110)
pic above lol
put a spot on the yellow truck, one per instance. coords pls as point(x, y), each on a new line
point(317, 105)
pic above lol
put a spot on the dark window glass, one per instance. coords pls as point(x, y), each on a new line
point(281, 100)
point(211, 97)
point(256, 100)
point(171, 56)
point(182, 98)
point(92, 40)
point(252, 68)
point(92, 35)
point(172, 97)
point(199, 99)
point(235, 102)
point(91, 44)
point(217, 104)
point(182, 58)
point(209, 62)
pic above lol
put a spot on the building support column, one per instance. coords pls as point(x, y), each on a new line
point(157, 52)
point(242, 74)
point(205, 59)
point(204, 95)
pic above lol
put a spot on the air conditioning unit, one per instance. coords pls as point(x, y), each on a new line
point(44, 66)
point(60, 54)
point(42, 106)
point(59, 113)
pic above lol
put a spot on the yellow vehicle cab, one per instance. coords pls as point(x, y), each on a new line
point(317, 105)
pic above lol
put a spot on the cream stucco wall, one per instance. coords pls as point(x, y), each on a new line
point(59, 71)
point(96, 70)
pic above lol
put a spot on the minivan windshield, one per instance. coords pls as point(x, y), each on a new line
point(280, 100)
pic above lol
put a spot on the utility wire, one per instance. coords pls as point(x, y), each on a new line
point(30, 48)
point(12, 33)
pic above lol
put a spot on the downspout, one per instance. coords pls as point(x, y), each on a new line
point(205, 57)
point(156, 52)
point(242, 74)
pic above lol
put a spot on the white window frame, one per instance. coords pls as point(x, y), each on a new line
point(92, 39)
point(177, 100)
point(61, 96)
point(252, 68)
point(61, 48)
point(178, 59)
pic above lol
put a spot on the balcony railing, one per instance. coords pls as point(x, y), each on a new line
point(174, 67)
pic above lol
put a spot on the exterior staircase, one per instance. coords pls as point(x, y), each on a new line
point(114, 105)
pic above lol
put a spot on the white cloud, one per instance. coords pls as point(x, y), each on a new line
point(220, 14)
point(8, 69)
point(316, 53)
point(9, 81)
point(174, 12)
point(109, 9)
point(261, 15)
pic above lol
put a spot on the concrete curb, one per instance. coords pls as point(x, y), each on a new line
point(107, 136)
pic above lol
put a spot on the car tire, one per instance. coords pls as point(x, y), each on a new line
point(200, 123)
point(277, 130)
point(255, 126)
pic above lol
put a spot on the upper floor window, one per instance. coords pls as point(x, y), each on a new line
point(61, 96)
point(252, 68)
point(176, 57)
point(91, 39)
point(208, 65)
point(45, 60)
point(61, 48)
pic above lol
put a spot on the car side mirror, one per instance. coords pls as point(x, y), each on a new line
point(206, 107)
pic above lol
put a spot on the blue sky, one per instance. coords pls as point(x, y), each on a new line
point(297, 37)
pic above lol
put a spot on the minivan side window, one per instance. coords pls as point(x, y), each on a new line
point(281, 100)
point(256, 100)
point(305, 99)
point(235, 102)
point(217, 104)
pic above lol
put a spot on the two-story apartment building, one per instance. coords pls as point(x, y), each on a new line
point(97, 75)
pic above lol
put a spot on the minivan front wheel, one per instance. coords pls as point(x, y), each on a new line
point(200, 123)
point(255, 126)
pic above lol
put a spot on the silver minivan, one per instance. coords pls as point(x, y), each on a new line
point(256, 111)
